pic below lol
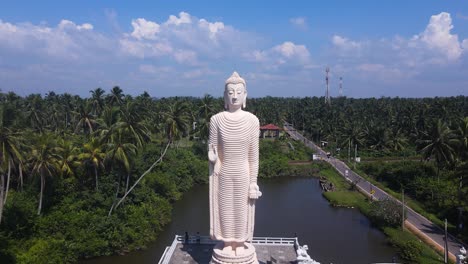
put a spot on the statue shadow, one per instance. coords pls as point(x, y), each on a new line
point(197, 253)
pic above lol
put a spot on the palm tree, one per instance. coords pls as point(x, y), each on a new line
point(132, 124)
point(462, 149)
point(67, 154)
point(93, 156)
point(462, 139)
point(115, 97)
point(107, 123)
point(438, 144)
point(121, 152)
point(86, 120)
point(176, 120)
point(67, 105)
point(377, 137)
point(34, 110)
point(397, 140)
point(45, 162)
point(97, 101)
point(352, 132)
point(9, 144)
point(206, 109)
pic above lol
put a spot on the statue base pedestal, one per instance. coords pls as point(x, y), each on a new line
point(248, 256)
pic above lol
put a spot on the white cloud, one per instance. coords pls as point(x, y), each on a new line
point(196, 73)
point(256, 56)
point(345, 44)
point(67, 24)
point(369, 67)
point(184, 18)
point(213, 28)
point(465, 45)
point(437, 37)
point(145, 49)
point(190, 39)
point(186, 56)
point(6, 27)
point(144, 29)
point(67, 40)
point(86, 26)
point(286, 54)
point(151, 69)
point(379, 72)
point(289, 50)
point(299, 22)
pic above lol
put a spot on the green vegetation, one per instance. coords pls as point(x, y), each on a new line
point(275, 157)
point(435, 197)
point(386, 215)
point(66, 161)
point(429, 134)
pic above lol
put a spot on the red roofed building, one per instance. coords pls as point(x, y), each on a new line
point(269, 131)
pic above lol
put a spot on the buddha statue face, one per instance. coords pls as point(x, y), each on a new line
point(235, 92)
point(235, 95)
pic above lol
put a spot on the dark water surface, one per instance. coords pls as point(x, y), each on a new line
point(288, 206)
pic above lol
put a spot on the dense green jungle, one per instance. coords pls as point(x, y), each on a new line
point(86, 177)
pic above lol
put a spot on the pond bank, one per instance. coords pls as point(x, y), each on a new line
point(409, 247)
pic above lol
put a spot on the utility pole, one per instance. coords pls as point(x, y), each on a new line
point(327, 93)
point(445, 243)
point(349, 150)
point(355, 155)
point(403, 209)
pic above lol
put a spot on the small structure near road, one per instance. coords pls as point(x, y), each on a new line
point(269, 131)
point(326, 185)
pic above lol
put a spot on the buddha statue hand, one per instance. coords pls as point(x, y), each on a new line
point(254, 191)
point(212, 154)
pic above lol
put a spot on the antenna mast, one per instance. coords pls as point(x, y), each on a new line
point(341, 86)
point(327, 94)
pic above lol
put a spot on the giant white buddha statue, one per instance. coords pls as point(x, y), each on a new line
point(233, 158)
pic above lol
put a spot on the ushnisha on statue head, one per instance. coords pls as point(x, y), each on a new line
point(235, 92)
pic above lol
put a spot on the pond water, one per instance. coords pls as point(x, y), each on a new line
point(288, 206)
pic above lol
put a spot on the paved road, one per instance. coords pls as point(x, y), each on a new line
point(420, 222)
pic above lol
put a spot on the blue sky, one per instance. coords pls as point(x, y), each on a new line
point(281, 48)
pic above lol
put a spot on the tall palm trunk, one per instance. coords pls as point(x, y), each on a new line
point(21, 176)
point(128, 181)
point(116, 197)
point(118, 187)
point(40, 196)
point(8, 182)
point(2, 183)
point(96, 174)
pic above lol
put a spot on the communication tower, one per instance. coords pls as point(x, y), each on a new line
point(341, 86)
point(327, 94)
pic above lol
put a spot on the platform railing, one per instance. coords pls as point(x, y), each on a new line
point(206, 240)
point(166, 257)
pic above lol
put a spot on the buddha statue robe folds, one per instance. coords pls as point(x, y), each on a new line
point(233, 158)
point(236, 140)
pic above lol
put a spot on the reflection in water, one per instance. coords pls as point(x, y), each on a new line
point(288, 206)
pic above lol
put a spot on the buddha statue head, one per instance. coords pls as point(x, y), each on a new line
point(235, 92)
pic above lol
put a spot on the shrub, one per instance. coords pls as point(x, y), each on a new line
point(410, 250)
point(46, 251)
point(386, 213)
